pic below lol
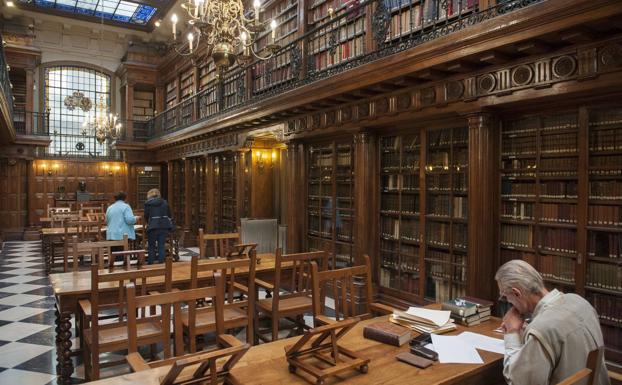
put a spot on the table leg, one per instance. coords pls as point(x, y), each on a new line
point(47, 254)
point(64, 365)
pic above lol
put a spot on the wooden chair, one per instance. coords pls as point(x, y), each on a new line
point(128, 259)
point(589, 374)
point(111, 337)
point(296, 298)
point(174, 240)
point(220, 243)
point(240, 302)
point(91, 209)
point(51, 210)
point(97, 250)
point(343, 284)
point(210, 368)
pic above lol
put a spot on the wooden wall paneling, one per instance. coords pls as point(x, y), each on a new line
point(262, 202)
point(240, 197)
point(482, 207)
point(188, 195)
point(365, 225)
point(582, 204)
point(169, 186)
point(423, 156)
point(33, 200)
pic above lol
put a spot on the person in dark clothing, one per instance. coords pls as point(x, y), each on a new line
point(159, 223)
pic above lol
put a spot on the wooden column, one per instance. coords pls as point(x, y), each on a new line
point(483, 204)
point(159, 98)
point(169, 185)
point(129, 111)
point(240, 163)
point(30, 85)
point(33, 218)
point(187, 195)
point(296, 198)
point(365, 197)
point(209, 193)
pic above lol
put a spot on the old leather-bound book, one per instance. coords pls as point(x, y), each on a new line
point(387, 333)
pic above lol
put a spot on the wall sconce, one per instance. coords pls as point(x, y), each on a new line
point(259, 158)
point(56, 167)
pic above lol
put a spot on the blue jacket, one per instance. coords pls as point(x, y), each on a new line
point(120, 220)
point(158, 215)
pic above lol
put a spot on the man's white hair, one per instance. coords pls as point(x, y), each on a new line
point(519, 274)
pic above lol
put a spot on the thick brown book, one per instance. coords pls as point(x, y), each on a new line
point(387, 333)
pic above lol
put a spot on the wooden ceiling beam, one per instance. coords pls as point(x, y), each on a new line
point(534, 47)
point(460, 66)
point(577, 35)
point(430, 74)
point(495, 57)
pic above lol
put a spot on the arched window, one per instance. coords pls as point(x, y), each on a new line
point(67, 116)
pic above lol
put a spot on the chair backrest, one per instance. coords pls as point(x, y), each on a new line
point(220, 243)
point(128, 258)
point(84, 230)
point(91, 209)
point(175, 299)
point(59, 219)
point(342, 284)
point(161, 272)
point(300, 283)
point(96, 217)
point(98, 250)
point(227, 269)
point(582, 377)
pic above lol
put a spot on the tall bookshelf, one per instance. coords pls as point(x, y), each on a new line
point(446, 196)
point(171, 93)
point(144, 104)
point(186, 84)
point(179, 194)
point(561, 202)
point(207, 74)
point(285, 12)
point(228, 165)
point(330, 201)
point(400, 234)
point(147, 178)
point(197, 194)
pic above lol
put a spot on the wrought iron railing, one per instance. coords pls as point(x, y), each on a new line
point(5, 82)
point(342, 43)
point(30, 122)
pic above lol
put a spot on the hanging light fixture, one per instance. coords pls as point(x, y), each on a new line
point(104, 125)
point(229, 34)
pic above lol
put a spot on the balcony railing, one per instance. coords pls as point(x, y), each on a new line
point(30, 122)
point(342, 43)
point(5, 82)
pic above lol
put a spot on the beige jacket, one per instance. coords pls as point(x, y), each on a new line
point(555, 345)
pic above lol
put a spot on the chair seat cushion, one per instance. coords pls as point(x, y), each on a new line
point(114, 335)
point(291, 304)
point(205, 319)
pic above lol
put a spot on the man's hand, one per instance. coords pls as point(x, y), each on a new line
point(512, 322)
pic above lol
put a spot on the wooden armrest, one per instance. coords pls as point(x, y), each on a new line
point(136, 362)
point(380, 308)
point(157, 292)
point(228, 341)
point(323, 320)
point(240, 287)
point(264, 284)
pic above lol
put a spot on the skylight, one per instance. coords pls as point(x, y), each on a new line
point(118, 10)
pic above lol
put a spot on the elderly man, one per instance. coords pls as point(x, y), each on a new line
point(548, 334)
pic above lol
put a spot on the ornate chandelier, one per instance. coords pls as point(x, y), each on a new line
point(103, 125)
point(227, 31)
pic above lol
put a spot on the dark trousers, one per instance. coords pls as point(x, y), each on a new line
point(156, 236)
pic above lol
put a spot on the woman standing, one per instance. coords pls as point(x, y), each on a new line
point(120, 220)
point(159, 223)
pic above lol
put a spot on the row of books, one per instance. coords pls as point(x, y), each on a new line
point(511, 189)
point(518, 164)
point(608, 307)
point(604, 245)
point(439, 205)
point(567, 164)
point(606, 190)
point(392, 247)
point(559, 190)
point(438, 182)
point(606, 140)
point(516, 235)
point(404, 262)
point(394, 229)
point(440, 290)
point(559, 240)
point(390, 203)
point(559, 268)
point(439, 138)
point(391, 161)
point(604, 275)
point(468, 311)
point(393, 143)
point(325, 57)
point(400, 182)
point(405, 282)
point(606, 161)
point(519, 146)
point(324, 190)
point(559, 213)
point(517, 210)
point(604, 215)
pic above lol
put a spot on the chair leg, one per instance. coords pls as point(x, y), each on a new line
point(95, 365)
point(275, 327)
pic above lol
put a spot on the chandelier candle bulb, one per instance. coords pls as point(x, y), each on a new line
point(190, 40)
point(273, 26)
point(256, 5)
point(174, 20)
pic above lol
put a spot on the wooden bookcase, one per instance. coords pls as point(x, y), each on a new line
point(330, 201)
point(335, 45)
point(446, 235)
point(147, 178)
point(223, 192)
point(197, 194)
point(171, 93)
point(400, 235)
point(207, 74)
point(561, 205)
point(144, 104)
point(178, 198)
point(285, 12)
point(186, 84)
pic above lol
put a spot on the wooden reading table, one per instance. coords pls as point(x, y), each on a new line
point(71, 287)
point(266, 364)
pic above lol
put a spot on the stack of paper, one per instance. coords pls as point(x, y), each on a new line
point(462, 349)
point(424, 320)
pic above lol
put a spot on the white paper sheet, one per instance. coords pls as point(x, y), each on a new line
point(437, 317)
point(480, 341)
point(453, 350)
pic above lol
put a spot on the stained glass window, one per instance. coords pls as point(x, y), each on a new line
point(65, 123)
point(118, 10)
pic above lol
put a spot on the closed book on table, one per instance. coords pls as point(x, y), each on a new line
point(471, 320)
point(460, 307)
point(387, 333)
point(482, 304)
